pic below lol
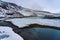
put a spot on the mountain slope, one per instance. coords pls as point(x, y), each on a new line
point(12, 10)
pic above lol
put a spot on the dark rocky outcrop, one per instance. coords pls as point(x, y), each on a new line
point(51, 17)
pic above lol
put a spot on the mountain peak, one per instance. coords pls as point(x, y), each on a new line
point(6, 9)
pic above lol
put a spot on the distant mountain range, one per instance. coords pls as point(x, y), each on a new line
point(12, 10)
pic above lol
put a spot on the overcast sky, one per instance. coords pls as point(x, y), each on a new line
point(48, 5)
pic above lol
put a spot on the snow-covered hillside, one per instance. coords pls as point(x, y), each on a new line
point(6, 33)
point(13, 10)
point(8, 9)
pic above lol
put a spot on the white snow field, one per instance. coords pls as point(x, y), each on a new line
point(21, 22)
point(6, 33)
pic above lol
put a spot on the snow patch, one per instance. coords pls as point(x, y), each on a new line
point(9, 34)
point(25, 21)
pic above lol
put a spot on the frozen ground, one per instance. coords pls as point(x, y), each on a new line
point(7, 33)
point(25, 21)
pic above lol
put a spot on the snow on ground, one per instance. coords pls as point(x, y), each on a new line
point(6, 33)
point(25, 21)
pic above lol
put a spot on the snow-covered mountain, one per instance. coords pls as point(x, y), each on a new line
point(12, 10)
point(9, 9)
